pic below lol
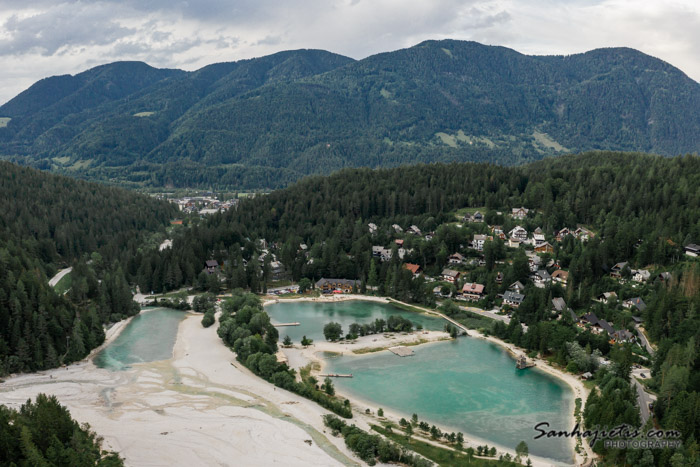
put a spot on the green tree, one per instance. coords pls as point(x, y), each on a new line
point(332, 331)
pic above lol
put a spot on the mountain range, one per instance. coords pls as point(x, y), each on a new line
point(265, 122)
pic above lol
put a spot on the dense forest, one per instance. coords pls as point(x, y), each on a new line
point(266, 122)
point(42, 433)
point(48, 222)
point(642, 210)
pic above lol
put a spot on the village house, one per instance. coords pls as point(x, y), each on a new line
point(534, 263)
point(519, 213)
point(513, 299)
point(277, 270)
point(635, 302)
point(560, 276)
point(622, 336)
point(397, 228)
point(616, 271)
point(337, 285)
point(399, 242)
point(583, 234)
point(473, 291)
point(456, 258)
point(545, 247)
point(692, 250)
point(499, 277)
point(559, 236)
point(640, 275)
point(516, 286)
point(607, 297)
point(414, 268)
point(513, 242)
point(538, 237)
point(478, 242)
point(414, 230)
point(372, 228)
point(450, 275)
point(211, 266)
point(597, 325)
point(558, 305)
point(518, 232)
point(477, 217)
point(541, 278)
point(664, 276)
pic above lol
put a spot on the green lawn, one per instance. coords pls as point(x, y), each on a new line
point(441, 456)
point(64, 284)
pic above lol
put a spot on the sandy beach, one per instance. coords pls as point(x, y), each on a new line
point(194, 409)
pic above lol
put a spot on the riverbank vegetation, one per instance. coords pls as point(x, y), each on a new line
point(246, 329)
point(42, 433)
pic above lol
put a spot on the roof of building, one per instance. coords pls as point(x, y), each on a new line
point(450, 273)
point(212, 263)
point(517, 285)
point(560, 273)
point(637, 302)
point(323, 281)
point(414, 268)
point(473, 287)
point(513, 297)
point(559, 304)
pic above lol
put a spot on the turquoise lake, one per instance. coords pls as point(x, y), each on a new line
point(149, 337)
point(468, 385)
point(312, 316)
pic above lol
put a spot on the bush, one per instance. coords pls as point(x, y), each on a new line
point(208, 319)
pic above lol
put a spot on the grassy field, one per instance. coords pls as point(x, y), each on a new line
point(4, 121)
point(441, 456)
point(143, 114)
point(64, 284)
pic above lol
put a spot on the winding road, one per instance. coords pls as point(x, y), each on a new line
point(59, 275)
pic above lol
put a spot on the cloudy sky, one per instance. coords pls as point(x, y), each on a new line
point(40, 38)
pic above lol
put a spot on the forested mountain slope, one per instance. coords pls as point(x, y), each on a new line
point(264, 122)
point(47, 222)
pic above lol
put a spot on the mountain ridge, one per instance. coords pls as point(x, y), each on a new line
point(264, 122)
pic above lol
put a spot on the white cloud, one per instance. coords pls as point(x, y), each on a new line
point(52, 38)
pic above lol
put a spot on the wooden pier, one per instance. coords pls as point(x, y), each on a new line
point(522, 362)
point(335, 375)
point(402, 351)
point(286, 324)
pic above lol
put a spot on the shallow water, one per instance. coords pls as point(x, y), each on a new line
point(312, 316)
point(469, 385)
point(149, 337)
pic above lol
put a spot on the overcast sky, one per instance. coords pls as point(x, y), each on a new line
point(40, 38)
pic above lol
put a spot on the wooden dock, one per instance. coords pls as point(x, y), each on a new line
point(522, 362)
point(286, 324)
point(402, 351)
point(335, 375)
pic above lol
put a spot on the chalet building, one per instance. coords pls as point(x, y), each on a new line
point(545, 247)
point(534, 263)
point(692, 250)
point(558, 305)
point(414, 268)
point(664, 276)
point(560, 235)
point(397, 228)
point(616, 271)
point(514, 242)
point(635, 302)
point(622, 335)
point(479, 240)
point(583, 234)
point(598, 325)
point(518, 232)
point(211, 266)
point(414, 230)
point(337, 285)
point(450, 275)
point(538, 237)
point(640, 275)
point(541, 278)
point(473, 291)
point(277, 270)
point(399, 242)
point(477, 217)
point(607, 297)
point(513, 299)
point(516, 286)
point(519, 213)
point(372, 228)
point(456, 258)
point(560, 276)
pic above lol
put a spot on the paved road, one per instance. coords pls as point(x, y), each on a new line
point(644, 340)
point(643, 397)
point(55, 279)
point(488, 313)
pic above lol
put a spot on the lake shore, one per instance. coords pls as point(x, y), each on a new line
point(308, 356)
